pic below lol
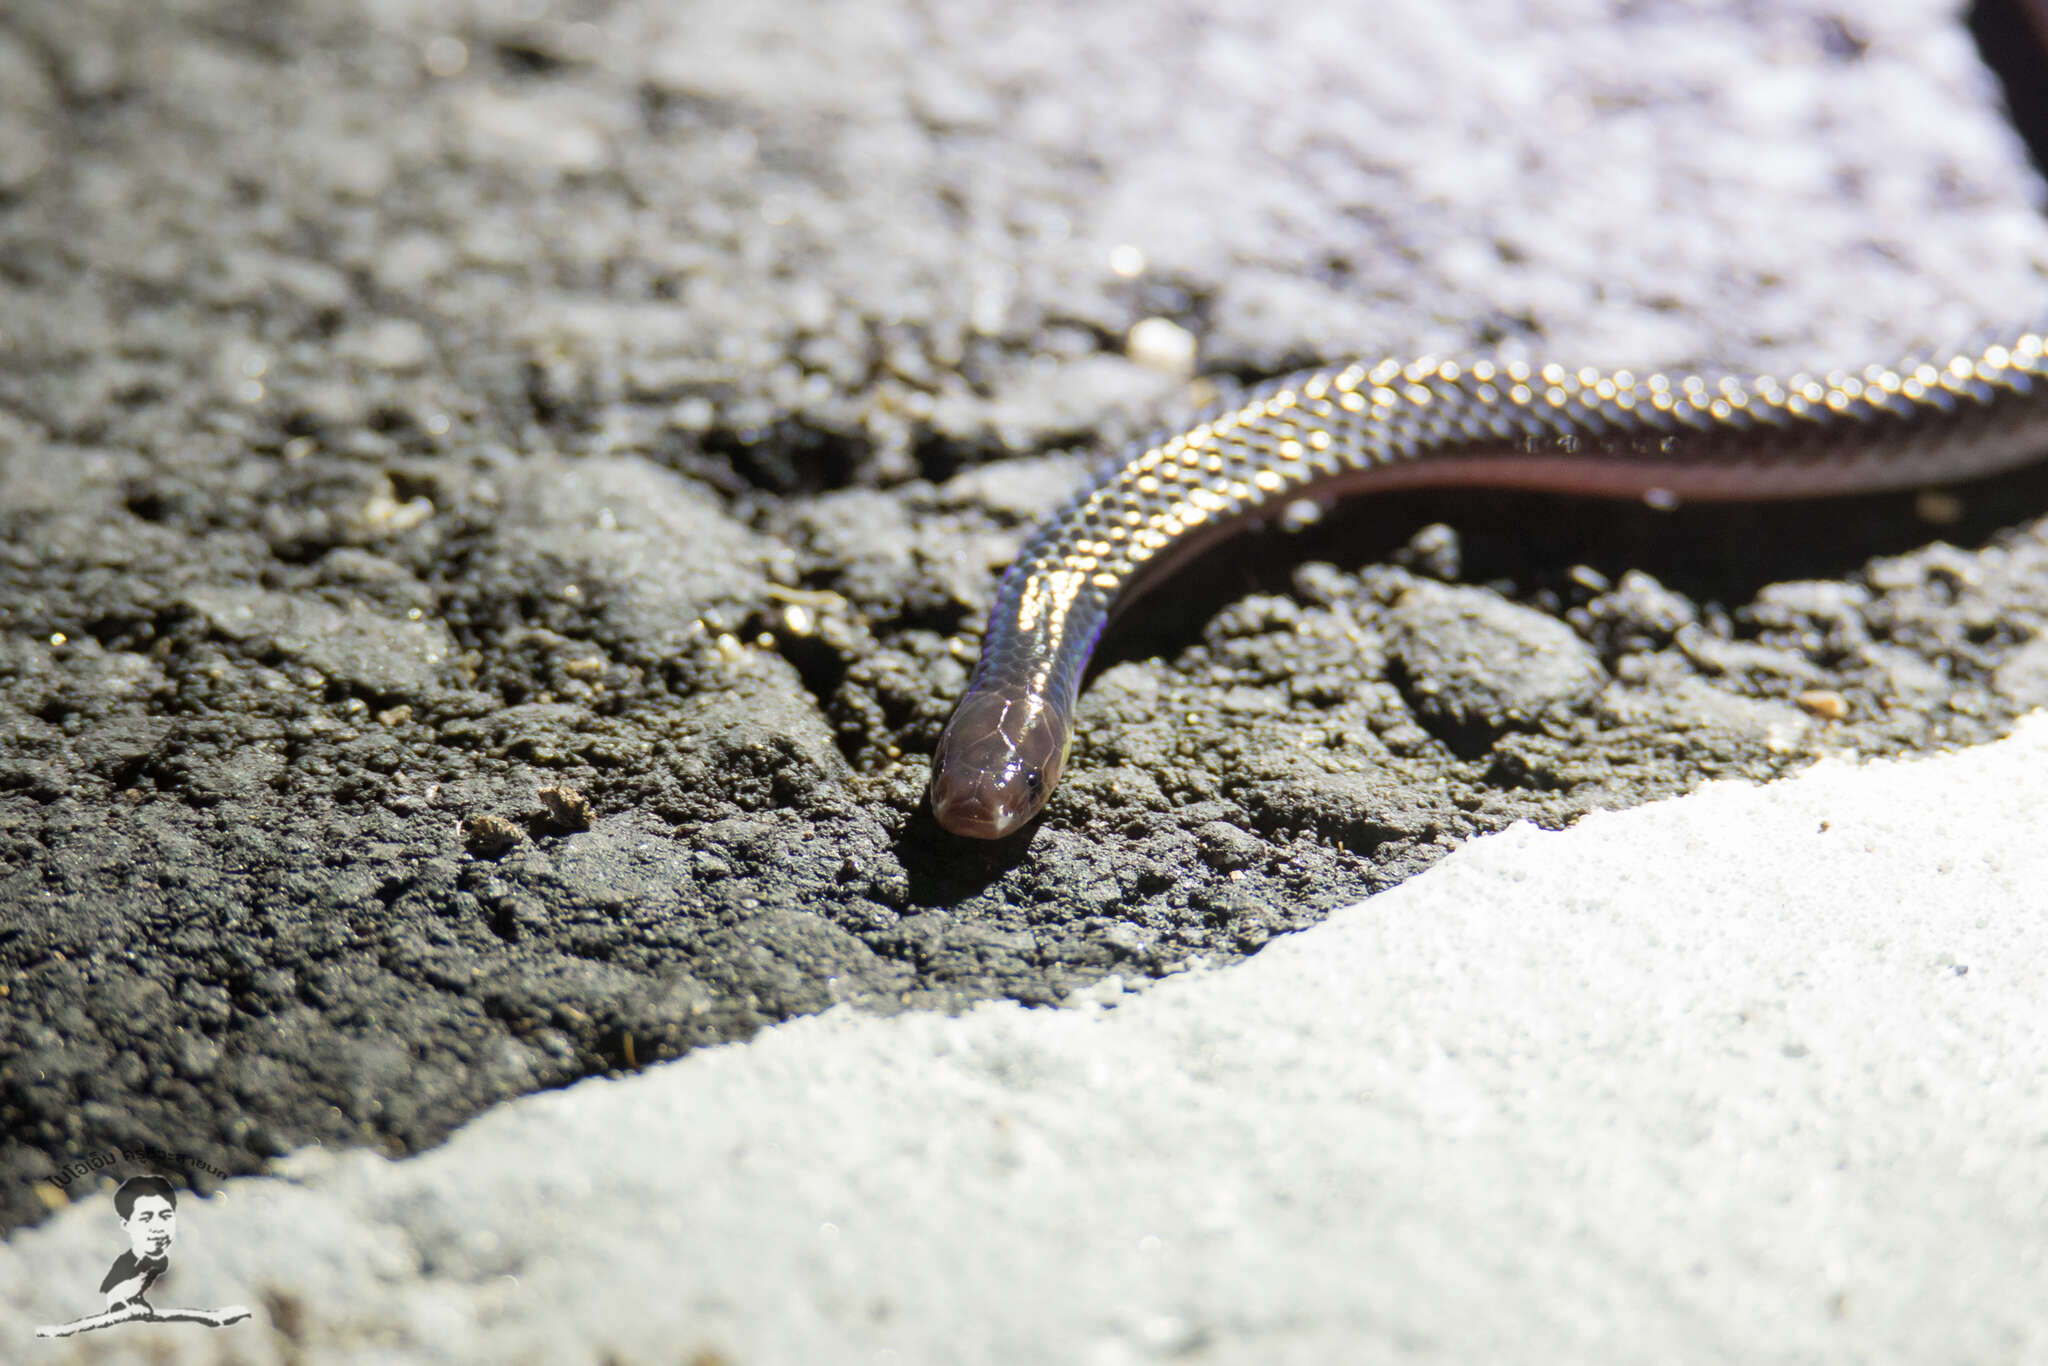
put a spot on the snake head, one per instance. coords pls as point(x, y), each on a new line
point(996, 762)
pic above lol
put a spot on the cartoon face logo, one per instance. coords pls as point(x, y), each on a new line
point(151, 1222)
point(148, 1210)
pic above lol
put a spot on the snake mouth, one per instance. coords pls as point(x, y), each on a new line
point(996, 763)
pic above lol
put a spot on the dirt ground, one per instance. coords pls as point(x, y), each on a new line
point(494, 510)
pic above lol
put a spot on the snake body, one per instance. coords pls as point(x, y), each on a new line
point(1366, 426)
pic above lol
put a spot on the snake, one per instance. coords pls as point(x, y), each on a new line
point(1372, 426)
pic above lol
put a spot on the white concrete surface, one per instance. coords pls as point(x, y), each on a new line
point(1756, 1075)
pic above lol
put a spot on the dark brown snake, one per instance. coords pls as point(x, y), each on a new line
point(1366, 427)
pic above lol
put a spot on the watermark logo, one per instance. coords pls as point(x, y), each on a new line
point(148, 1208)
